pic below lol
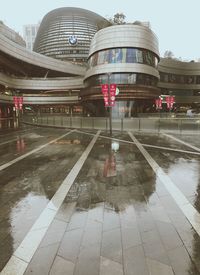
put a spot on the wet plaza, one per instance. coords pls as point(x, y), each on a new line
point(78, 202)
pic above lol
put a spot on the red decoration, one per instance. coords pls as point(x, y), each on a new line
point(158, 103)
point(170, 102)
point(18, 102)
point(109, 92)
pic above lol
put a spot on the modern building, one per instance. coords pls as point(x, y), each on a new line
point(76, 51)
point(126, 55)
point(182, 80)
point(11, 34)
point(66, 33)
point(29, 34)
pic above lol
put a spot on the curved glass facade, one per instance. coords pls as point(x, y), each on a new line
point(123, 78)
point(127, 56)
point(123, 55)
point(66, 34)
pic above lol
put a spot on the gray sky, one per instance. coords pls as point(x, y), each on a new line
point(175, 22)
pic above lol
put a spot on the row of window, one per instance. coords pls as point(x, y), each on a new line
point(123, 55)
point(63, 41)
point(180, 92)
point(51, 36)
point(179, 79)
point(63, 45)
point(65, 26)
point(85, 29)
point(68, 50)
point(123, 78)
point(64, 52)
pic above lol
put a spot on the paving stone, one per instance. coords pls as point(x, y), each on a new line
point(151, 236)
point(112, 246)
point(111, 220)
point(88, 262)
point(54, 233)
point(130, 237)
point(128, 217)
point(169, 235)
point(70, 245)
point(77, 220)
point(156, 251)
point(134, 261)
point(42, 260)
point(108, 267)
point(159, 214)
point(95, 214)
point(170, 205)
point(62, 267)
point(146, 222)
point(157, 268)
point(65, 212)
point(181, 262)
point(92, 235)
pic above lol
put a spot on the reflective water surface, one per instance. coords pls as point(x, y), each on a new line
point(117, 218)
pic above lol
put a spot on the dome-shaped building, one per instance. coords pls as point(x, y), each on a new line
point(66, 33)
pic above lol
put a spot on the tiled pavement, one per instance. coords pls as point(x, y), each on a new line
point(119, 219)
point(134, 240)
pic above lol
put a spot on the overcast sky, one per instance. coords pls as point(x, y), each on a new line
point(175, 22)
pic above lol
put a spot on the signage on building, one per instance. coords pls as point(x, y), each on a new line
point(105, 92)
point(112, 94)
point(73, 40)
point(170, 102)
point(158, 103)
point(18, 102)
point(15, 100)
point(109, 93)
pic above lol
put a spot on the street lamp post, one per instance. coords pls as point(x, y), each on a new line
point(110, 108)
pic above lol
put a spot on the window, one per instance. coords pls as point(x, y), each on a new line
point(131, 55)
point(124, 55)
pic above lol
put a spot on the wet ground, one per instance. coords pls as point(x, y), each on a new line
point(80, 203)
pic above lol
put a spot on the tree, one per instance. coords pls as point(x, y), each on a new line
point(168, 54)
point(118, 19)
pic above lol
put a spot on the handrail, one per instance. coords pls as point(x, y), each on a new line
point(179, 125)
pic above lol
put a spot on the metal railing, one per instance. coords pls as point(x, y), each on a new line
point(155, 124)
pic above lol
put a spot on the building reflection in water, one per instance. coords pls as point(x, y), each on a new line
point(110, 166)
point(20, 144)
point(20, 204)
point(110, 162)
point(115, 174)
point(68, 141)
point(28, 187)
point(9, 124)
